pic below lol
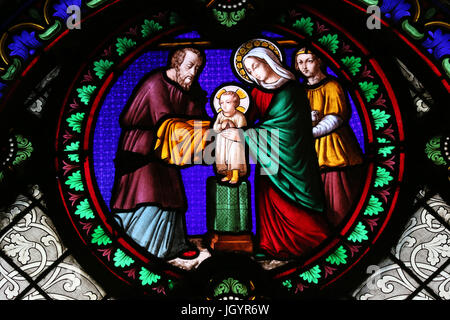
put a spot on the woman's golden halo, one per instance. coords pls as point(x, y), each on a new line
point(245, 48)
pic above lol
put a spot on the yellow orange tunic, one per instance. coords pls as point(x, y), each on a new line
point(181, 141)
point(339, 148)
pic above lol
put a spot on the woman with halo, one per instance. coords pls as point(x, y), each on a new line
point(288, 189)
point(230, 103)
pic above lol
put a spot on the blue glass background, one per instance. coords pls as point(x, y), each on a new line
point(107, 131)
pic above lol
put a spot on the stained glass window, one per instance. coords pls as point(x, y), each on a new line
point(70, 69)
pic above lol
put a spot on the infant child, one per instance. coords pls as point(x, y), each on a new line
point(230, 155)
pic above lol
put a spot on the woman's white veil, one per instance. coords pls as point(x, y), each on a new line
point(274, 62)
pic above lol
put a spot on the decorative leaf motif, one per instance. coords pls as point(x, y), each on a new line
point(389, 162)
point(24, 45)
point(389, 132)
point(374, 207)
point(353, 64)
point(380, 118)
point(359, 233)
point(369, 89)
point(147, 277)
point(367, 73)
point(19, 247)
point(150, 27)
point(106, 253)
point(75, 121)
point(61, 8)
point(382, 177)
point(321, 27)
point(99, 237)
point(305, 25)
point(385, 150)
point(353, 249)
point(74, 105)
point(68, 167)
point(433, 152)
point(329, 270)
point(131, 273)
point(84, 210)
point(372, 223)
point(384, 193)
point(438, 247)
point(74, 157)
point(380, 101)
point(74, 198)
point(25, 148)
point(437, 43)
point(338, 257)
point(86, 226)
point(123, 45)
point(330, 42)
point(74, 146)
point(395, 9)
point(74, 181)
point(230, 285)
point(101, 66)
point(345, 48)
point(85, 93)
point(87, 77)
point(383, 140)
point(311, 275)
point(237, 16)
point(287, 284)
point(229, 19)
point(121, 259)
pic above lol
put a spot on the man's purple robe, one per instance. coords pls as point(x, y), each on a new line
point(154, 183)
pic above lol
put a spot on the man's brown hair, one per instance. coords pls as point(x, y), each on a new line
point(178, 56)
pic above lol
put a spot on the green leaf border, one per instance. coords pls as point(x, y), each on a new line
point(338, 257)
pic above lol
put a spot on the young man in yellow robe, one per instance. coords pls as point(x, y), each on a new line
point(339, 155)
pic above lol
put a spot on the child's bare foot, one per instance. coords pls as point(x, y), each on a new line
point(234, 181)
point(228, 176)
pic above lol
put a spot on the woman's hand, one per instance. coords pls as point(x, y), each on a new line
point(231, 134)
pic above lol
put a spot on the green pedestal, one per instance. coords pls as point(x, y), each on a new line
point(228, 206)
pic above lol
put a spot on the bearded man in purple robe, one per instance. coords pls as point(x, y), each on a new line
point(148, 198)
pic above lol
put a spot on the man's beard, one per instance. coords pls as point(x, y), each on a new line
point(184, 81)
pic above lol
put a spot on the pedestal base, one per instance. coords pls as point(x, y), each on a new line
point(231, 242)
